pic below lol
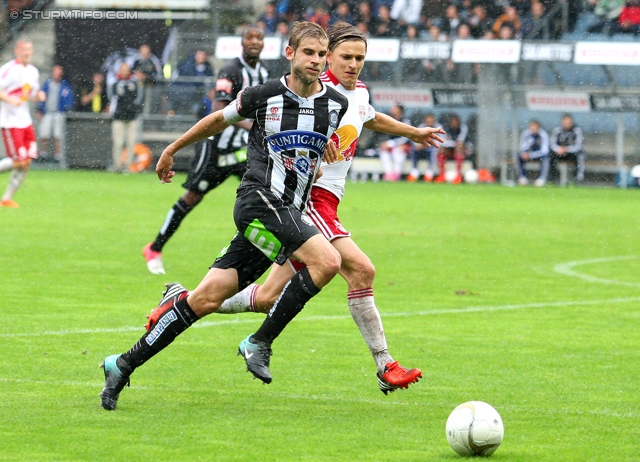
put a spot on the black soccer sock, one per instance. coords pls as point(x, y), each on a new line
point(296, 293)
point(171, 224)
point(171, 324)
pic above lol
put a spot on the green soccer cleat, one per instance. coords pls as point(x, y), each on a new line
point(115, 378)
point(256, 355)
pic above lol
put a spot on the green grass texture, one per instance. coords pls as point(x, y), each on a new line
point(525, 298)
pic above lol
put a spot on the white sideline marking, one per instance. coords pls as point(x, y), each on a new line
point(470, 309)
point(567, 270)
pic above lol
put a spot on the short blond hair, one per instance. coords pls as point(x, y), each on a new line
point(303, 30)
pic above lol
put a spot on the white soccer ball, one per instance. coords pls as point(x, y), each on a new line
point(471, 176)
point(475, 429)
point(450, 176)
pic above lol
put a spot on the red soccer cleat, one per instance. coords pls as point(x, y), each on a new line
point(395, 376)
point(9, 203)
point(440, 179)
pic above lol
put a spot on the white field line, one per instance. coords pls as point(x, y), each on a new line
point(254, 319)
point(567, 270)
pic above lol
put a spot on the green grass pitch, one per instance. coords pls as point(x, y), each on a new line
point(525, 298)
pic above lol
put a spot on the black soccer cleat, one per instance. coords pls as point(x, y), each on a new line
point(256, 355)
point(115, 379)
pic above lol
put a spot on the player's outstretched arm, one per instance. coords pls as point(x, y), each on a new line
point(387, 124)
point(210, 125)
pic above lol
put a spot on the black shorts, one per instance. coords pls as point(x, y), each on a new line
point(210, 168)
point(268, 231)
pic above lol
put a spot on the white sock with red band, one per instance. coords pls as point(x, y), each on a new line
point(6, 164)
point(367, 318)
point(242, 302)
point(15, 181)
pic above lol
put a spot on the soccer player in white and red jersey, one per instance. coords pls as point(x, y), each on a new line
point(347, 50)
point(19, 84)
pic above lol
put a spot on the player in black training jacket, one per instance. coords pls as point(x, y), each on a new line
point(295, 118)
point(221, 155)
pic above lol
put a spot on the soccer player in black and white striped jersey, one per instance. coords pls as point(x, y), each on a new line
point(295, 118)
point(221, 155)
point(347, 51)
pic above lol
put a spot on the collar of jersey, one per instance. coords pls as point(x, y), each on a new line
point(322, 91)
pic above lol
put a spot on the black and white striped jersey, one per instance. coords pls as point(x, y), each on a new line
point(234, 76)
point(288, 137)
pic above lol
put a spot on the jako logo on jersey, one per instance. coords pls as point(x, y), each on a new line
point(346, 139)
point(306, 111)
point(160, 327)
point(297, 139)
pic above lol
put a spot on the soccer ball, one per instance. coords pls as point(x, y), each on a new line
point(471, 176)
point(450, 176)
point(474, 429)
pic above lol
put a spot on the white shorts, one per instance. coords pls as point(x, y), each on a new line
point(51, 125)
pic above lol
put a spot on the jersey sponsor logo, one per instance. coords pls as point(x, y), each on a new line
point(306, 111)
point(346, 140)
point(300, 164)
point(263, 239)
point(273, 115)
point(298, 140)
point(363, 112)
point(224, 85)
point(333, 119)
point(163, 323)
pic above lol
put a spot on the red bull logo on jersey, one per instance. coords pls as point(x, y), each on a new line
point(346, 139)
point(297, 140)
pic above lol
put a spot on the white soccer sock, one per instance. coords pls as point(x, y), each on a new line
point(242, 302)
point(15, 180)
point(367, 318)
point(6, 164)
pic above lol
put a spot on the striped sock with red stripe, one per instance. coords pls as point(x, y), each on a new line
point(366, 316)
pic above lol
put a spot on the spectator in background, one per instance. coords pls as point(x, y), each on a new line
point(147, 64)
point(270, 17)
point(412, 70)
point(510, 18)
point(533, 20)
point(50, 113)
point(451, 21)
point(462, 72)
point(435, 68)
point(534, 145)
point(406, 12)
point(506, 32)
point(320, 16)
point(186, 96)
point(125, 105)
point(95, 99)
point(480, 23)
point(393, 151)
point(454, 147)
point(629, 19)
point(342, 13)
point(608, 12)
point(207, 104)
point(566, 145)
point(420, 151)
point(365, 15)
point(282, 29)
point(386, 26)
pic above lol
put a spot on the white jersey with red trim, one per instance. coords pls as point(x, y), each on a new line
point(346, 136)
point(20, 81)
